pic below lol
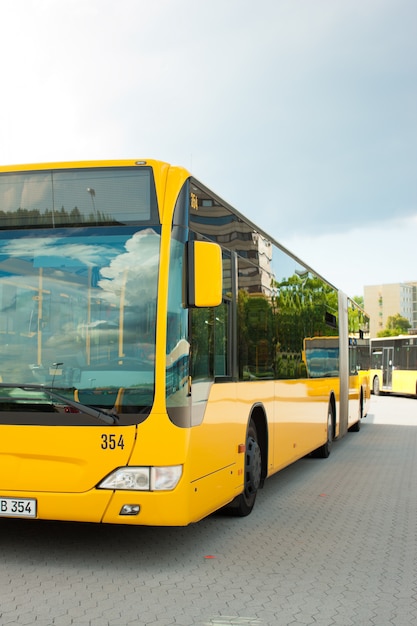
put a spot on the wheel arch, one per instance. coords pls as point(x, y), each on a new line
point(376, 385)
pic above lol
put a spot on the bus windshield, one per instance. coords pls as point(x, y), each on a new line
point(78, 310)
point(77, 197)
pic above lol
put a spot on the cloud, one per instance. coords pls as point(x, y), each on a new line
point(367, 255)
point(301, 114)
point(60, 249)
point(133, 273)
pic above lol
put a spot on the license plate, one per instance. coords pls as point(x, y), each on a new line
point(17, 507)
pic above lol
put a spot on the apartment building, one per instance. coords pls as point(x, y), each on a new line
point(382, 301)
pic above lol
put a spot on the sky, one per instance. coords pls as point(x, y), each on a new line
point(302, 114)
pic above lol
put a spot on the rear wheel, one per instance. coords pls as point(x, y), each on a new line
point(324, 450)
point(243, 504)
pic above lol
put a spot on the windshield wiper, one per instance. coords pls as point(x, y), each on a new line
point(99, 414)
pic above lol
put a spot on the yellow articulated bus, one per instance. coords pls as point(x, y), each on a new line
point(394, 365)
point(157, 348)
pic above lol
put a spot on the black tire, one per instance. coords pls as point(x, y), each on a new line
point(243, 504)
point(324, 451)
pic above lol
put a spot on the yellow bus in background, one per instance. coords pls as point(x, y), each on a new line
point(394, 365)
point(156, 348)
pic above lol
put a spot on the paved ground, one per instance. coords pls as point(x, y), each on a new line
point(330, 542)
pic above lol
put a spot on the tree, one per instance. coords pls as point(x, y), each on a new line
point(396, 325)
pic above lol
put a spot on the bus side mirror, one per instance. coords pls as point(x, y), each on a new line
point(205, 274)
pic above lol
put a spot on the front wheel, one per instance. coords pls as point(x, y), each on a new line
point(243, 504)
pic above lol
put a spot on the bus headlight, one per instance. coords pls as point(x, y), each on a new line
point(165, 478)
point(143, 478)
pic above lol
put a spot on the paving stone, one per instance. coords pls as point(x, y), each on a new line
point(330, 543)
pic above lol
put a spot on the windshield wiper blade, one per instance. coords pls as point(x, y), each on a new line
point(99, 414)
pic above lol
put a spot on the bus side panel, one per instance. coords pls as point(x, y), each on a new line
point(404, 381)
point(216, 462)
point(301, 412)
point(296, 413)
